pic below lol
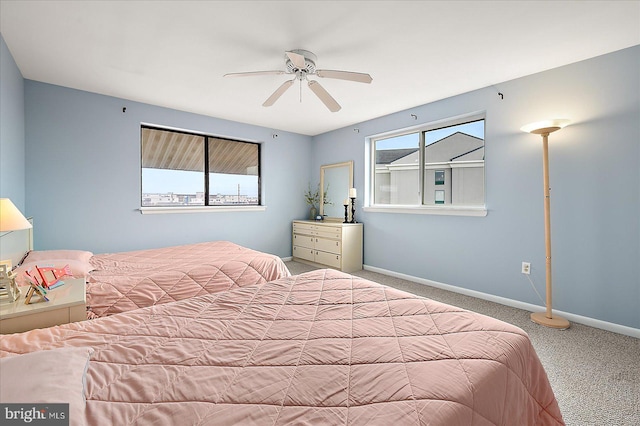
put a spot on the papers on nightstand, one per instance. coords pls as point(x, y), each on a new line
point(56, 285)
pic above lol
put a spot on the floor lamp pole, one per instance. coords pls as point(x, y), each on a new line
point(543, 129)
point(547, 221)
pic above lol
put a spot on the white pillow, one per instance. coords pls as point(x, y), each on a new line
point(54, 376)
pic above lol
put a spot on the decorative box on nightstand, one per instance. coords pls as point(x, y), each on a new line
point(66, 304)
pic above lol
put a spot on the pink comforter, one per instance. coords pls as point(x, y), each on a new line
point(136, 279)
point(322, 348)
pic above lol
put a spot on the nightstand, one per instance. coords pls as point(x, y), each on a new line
point(66, 304)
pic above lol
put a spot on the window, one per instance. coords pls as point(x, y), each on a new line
point(439, 165)
point(396, 170)
point(184, 169)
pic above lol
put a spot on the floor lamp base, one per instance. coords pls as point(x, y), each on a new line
point(553, 322)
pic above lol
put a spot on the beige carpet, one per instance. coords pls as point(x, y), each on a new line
point(595, 374)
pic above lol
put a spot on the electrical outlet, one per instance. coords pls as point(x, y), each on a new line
point(526, 268)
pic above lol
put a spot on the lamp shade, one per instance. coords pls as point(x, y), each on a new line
point(545, 126)
point(10, 217)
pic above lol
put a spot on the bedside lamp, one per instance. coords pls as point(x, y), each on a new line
point(543, 128)
point(10, 220)
point(10, 217)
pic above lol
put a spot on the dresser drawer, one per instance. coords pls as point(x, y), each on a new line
point(329, 228)
point(331, 246)
point(329, 259)
point(303, 241)
point(304, 228)
point(303, 253)
point(329, 232)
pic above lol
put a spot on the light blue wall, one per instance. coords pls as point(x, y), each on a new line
point(12, 149)
point(12, 142)
point(83, 177)
point(595, 197)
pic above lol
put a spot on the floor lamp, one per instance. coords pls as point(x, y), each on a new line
point(543, 128)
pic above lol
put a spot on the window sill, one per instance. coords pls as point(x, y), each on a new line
point(447, 211)
point(201, 209)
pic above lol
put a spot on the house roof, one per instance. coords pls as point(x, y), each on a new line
point(474, 154)
point(387, 156)
point(455, 136)
point(452, 147)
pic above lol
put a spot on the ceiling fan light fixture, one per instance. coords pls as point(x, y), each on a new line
point(300, 60)
point(302, 63)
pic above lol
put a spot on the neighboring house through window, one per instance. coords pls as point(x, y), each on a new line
point(451, 153)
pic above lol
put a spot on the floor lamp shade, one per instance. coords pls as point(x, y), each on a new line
point(543, 128)
point(10, 217)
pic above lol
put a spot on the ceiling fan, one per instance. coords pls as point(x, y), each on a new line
point(301, 64)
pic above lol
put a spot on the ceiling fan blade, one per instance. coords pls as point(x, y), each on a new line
point(324, 96)
point(345, 75)
point(297, 59)
point(253, 73)
point(279, 91)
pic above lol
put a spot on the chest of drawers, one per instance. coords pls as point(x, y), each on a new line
point(333, 244)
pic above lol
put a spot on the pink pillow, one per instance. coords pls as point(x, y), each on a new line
point(48, 255)
point(54, 376)
point(79, 269)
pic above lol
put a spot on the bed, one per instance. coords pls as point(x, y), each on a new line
point(120, 282)
point(322, 347)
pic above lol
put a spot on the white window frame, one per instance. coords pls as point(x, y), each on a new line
point(439, 209)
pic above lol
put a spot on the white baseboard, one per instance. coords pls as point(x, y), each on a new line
point(591, 322)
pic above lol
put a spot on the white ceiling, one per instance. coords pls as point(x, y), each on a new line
point(175, 53)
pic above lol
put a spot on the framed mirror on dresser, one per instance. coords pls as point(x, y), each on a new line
point(335, 181)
